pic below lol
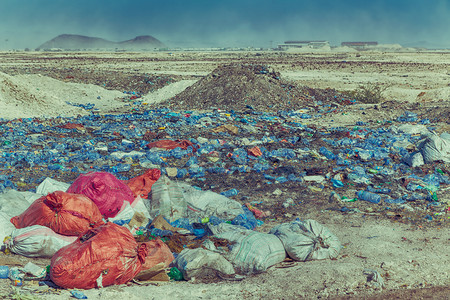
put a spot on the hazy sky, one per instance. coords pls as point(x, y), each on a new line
point(259, 23)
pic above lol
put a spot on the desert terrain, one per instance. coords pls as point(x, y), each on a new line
point(400, 241)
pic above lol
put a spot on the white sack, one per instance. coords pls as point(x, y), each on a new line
point(50, 185)
point(13, 203)
point(435, 148)
point(307, 240)
point(202, 204)
point(167, 199)
point(202, 263)
point(252, 251)
point(37, 241)
point(6, 227)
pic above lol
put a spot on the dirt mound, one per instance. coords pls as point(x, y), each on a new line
point(26, 96)
point(240, 87)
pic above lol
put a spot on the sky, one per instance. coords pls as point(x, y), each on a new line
point(228, 23)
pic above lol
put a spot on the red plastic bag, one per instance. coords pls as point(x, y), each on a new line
point(169, 144)
point(64, 213)
point(142, 184)
point(158, 252)
point(105, 190)
point(255, 151)
point(102, 256)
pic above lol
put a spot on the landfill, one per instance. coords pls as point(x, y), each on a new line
point(215, 185)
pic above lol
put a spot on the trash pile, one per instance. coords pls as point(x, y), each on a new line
point(98, 231)
point(182, 193)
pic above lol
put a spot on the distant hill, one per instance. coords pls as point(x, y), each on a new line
point(75, 42)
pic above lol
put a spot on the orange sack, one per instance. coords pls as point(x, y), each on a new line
point(64, 213)
point(158, 252)
point(142, 184)
point(103, 256)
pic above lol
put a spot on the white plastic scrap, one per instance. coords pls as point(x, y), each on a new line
point(374, 278)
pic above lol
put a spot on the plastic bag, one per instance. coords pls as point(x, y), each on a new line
point(6, 227)
point(307, 240)
point(201, 263)
point(105, 190)
point(158, 252)
point(251, 251)
point(167, 199)
point(64, 213)
point(37, 241)
point(169, 144)
point(202, 204)
point(50, 185)
point(414, 159)
point(14, 203)
point(142, 184)
point(102, 256)
point(127, 212)
point(435, 148)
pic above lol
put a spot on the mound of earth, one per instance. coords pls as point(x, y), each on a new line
point(74, 41)
point(239, 87)
point(248, 86)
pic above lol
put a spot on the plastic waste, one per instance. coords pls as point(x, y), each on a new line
point(390, 200)
point(337, 183)
point(246, 220)
point(175, 274)
point(230, 193)
point(374, 278)
point(16, 276)
point(168, 199)
point(4, 272)
point(378, 190)
point(35, 270)
point(78, 294)
point(368, 196)
point(327, 153)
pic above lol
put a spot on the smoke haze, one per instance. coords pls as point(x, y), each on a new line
point(231, 23)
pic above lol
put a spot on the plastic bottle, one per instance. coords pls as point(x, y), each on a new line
point(327, 153)
point(337, 183)
point(16, 276)
point(123, 167)
point(181, 173)
point(394, 201)
point(368, 196)
point(379, 191)
point(4, 272)
point(230, 193)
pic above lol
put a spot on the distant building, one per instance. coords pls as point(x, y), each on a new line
point(303, 44)
point(359, 45)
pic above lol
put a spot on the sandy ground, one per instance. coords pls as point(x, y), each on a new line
point(410, 259)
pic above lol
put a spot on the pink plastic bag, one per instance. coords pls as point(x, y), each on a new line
point(105, 190)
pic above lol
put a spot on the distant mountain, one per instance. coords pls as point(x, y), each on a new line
point(142, 41)
point(75, 42)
